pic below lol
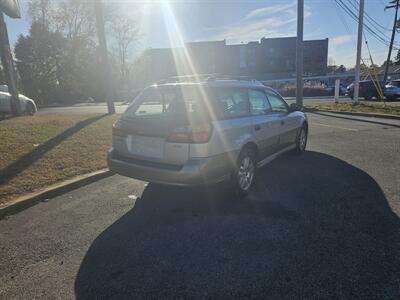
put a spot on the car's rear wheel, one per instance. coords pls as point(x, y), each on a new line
point(30, 110)
point(245, 171)
point(368, 97)
point(391, 98)
point(301, 140)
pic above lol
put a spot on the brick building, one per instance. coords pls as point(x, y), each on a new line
point(268, 58)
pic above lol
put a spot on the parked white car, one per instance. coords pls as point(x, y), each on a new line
point(28, 106)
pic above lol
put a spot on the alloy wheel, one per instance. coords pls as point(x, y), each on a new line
point(302, 139)
point(246, 173)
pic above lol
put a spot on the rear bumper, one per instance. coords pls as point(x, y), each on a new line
point(195, 171)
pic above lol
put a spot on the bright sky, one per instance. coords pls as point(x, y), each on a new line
point(243, 21)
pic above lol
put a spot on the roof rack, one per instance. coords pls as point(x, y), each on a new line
point(207, 77)
point(186, 78)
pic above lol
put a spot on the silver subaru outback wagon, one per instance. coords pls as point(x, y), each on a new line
point(204, 132)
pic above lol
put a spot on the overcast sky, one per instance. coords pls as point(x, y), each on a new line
point(165, 24)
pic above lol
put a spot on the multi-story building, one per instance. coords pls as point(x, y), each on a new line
point(268, 58)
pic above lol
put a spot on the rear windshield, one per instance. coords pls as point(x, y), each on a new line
point(179, 101)
point(190, 102)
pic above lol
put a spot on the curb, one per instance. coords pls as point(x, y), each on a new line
point(26, 201)
point(360, 114)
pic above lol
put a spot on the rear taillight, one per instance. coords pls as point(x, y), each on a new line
point(191, 134)
point(118, 131)
point(180, 135)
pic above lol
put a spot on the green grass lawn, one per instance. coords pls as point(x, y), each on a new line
point(42, 150)
point(379, 108)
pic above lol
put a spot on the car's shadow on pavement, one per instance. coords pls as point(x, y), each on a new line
point(315, 227)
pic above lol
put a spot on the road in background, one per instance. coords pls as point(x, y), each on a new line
point(120, 107)
point(321, 225)
point(83, 108)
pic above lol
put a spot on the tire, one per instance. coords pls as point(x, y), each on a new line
point(29, 110)
point(245, 172)
point(391, 98)
point(368, 97)
point(301, 140)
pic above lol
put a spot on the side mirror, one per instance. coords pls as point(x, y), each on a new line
point(294, 107)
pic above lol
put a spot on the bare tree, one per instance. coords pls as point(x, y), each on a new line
point(42, 12)
point(76, 19)
point(69, 26)
point(124, 32)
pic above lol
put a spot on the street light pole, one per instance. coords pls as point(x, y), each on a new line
point(98, 5)
point(392, 38)
point(359, 47)
point(299, 53)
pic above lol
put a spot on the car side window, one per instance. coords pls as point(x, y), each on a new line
point(231, 102)
point(259, 104)
point(277, 103)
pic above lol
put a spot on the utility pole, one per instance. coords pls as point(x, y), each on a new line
point(8, 67)
point(98, 5)
point(396, 5)
point(359, 46)
point(299, 53)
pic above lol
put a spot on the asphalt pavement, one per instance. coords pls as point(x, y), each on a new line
point(120, 107)
point(324, 225)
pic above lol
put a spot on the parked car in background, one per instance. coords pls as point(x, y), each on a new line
point(3, 88)
point(392, 90)
point(367, 90)
point(330, 89)
point(28, 106)
point(191, 133)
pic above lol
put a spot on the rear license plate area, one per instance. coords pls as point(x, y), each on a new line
point(146, 146)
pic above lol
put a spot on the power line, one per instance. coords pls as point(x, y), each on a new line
point(353, 15)
point(344, 22)
point(355, 18)
point(350, 13)
point(369, 17)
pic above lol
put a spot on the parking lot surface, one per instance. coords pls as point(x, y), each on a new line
point(321, 225)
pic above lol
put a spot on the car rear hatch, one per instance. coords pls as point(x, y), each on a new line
point(158, 126)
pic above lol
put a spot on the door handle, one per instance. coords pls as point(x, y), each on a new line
point(282, 122)
point(257, 127)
